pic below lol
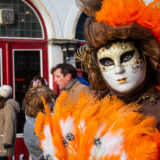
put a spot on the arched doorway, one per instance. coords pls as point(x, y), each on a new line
point(23, 47)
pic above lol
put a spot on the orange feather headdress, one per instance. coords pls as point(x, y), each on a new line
point(125, 12)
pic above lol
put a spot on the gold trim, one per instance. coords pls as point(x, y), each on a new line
point(75, 23)
point(82, 55)
point(54, 35)
point(65, 38)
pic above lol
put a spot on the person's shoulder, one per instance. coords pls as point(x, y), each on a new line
point(13, 104)
point(79, 84)
point(81, 87)
point(12, 101)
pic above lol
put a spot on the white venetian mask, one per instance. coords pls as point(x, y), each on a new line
point(121, 66)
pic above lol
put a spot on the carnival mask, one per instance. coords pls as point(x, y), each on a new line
point(122, 66)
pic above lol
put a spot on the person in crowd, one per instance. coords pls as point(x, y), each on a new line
point(121, 120)
point(8, 113)
point(38, 81)
point(65, 76)
point(34, 105)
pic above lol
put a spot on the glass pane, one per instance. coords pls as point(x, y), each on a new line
point(80, 27)
point(26, 22)
point(8, 1)
point(3, 32)
point(21, 9)
point(28, 26)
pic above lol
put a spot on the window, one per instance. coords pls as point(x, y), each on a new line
point(26, 24)
point(80, 27)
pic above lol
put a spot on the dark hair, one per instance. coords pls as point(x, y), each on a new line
point(33, 100)
point(65, 69)
point(37, 78)
point(2, 101)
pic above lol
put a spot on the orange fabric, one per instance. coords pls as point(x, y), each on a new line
point(39, 126)
point(124, 12)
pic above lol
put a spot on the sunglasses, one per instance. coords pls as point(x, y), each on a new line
point(35, 81)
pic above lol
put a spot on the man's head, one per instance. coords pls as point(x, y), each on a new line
point(63, 73)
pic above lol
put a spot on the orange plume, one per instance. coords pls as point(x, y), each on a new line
point(124, 12)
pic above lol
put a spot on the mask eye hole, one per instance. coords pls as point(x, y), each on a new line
point(127, 56)
point(106, 62)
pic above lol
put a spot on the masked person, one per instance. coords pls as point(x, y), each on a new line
point(123, 62)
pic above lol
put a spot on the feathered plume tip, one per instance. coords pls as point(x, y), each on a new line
point(101, 130)
point(89, 7)
point(125, 12)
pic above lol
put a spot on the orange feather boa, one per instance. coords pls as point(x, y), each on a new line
point(124, 133)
